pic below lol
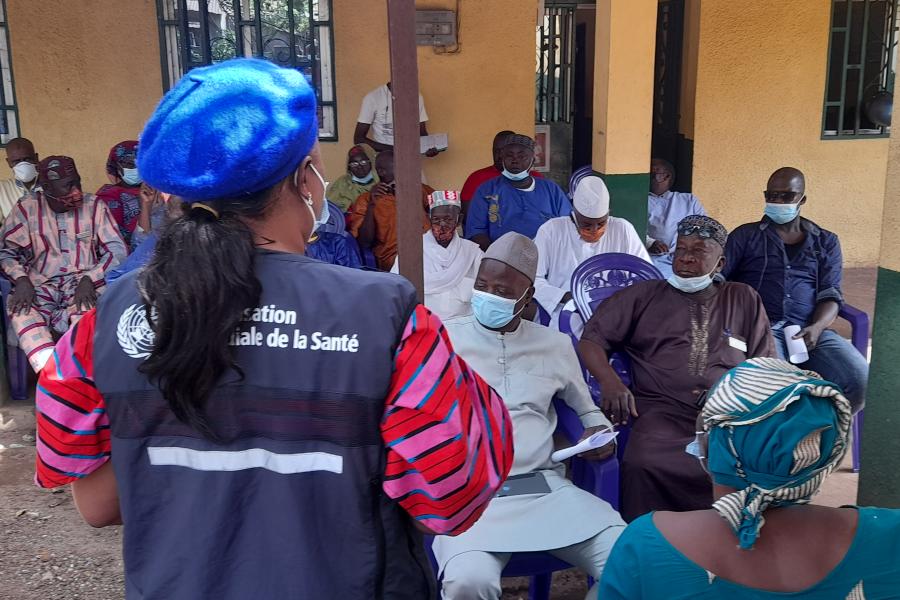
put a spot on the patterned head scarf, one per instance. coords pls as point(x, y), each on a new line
point(119, 153)
point(53, 168)
point(775, 433)
point(709, 227)
point(444, 198)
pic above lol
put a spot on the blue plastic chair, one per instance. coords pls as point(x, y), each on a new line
point(577, 175)
point(599, 478)
point(16, 362)
point(859, 334)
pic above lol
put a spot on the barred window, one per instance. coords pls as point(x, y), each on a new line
point(9, 114)
point(290, 33)
point(862, 58)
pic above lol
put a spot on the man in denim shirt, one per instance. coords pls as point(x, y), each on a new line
point(796, 267)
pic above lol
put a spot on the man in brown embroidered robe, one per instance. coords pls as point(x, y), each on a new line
point(681, 335)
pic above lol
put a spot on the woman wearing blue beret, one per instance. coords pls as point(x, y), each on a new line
point(256, 439)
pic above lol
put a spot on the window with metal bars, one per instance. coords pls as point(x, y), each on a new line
point(555, 65)
point(290, 33)
point(862, 58)
point(9, 114)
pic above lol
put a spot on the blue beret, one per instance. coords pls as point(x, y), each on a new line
point(234, 128)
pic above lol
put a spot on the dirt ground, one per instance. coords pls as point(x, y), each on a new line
point(47, 552)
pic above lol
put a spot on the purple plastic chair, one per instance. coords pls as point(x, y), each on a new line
point(859, 334)
point(595, 280)
point(601, 276)
point(577, 175)
point(598, 478)
point(543, 315)
point(16, 362)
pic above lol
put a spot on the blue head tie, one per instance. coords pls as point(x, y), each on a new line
point(775, 433)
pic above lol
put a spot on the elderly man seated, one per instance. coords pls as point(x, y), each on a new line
point(57, 247)
point(514, 201)
point(565, 242)
point(23, 159)
point(528, 365)
point(450, 263)
point(681, 335)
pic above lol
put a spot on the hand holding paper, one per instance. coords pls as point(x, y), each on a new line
point(598, 440)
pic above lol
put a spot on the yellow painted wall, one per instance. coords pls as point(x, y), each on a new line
point(87, 76)
point(760, 88)
point(623, 76)
point(486, 87)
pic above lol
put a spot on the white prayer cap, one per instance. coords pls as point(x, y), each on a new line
point(591, 198)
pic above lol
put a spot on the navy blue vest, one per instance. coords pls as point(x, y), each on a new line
point(288, 504)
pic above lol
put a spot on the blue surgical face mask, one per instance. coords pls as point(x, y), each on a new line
point(691, 285)
point(131, 176)
point(493, 311)
point(782, 213)
point(363, 180)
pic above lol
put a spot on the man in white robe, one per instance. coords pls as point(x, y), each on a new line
point(565, 242)
point(528, 365)
point(449, 262)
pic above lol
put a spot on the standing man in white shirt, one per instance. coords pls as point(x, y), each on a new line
point(375, 124)
point(565, 242)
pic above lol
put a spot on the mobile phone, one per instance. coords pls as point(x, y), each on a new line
point(519, 485)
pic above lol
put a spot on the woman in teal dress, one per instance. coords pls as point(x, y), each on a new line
point(772, 433)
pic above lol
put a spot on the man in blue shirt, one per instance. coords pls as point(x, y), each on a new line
point(515, 201)
point(796, 267)
point(665, 209)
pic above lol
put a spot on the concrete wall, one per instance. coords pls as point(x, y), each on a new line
point(760, 87)
point(87, 76)
point(486, 87)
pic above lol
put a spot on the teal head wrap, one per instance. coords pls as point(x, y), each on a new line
point(775, 433)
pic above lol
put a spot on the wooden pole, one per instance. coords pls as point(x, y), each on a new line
point(407, 160)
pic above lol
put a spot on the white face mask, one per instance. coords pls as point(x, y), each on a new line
point(25, 172)
point(318, 221)
point(691, 285)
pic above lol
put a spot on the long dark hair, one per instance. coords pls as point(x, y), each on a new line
point(195, 290)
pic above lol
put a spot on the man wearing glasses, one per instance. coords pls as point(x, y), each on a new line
point(681, 335)
point(795, 265)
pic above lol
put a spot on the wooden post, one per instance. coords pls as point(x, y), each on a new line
point(407, 160)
